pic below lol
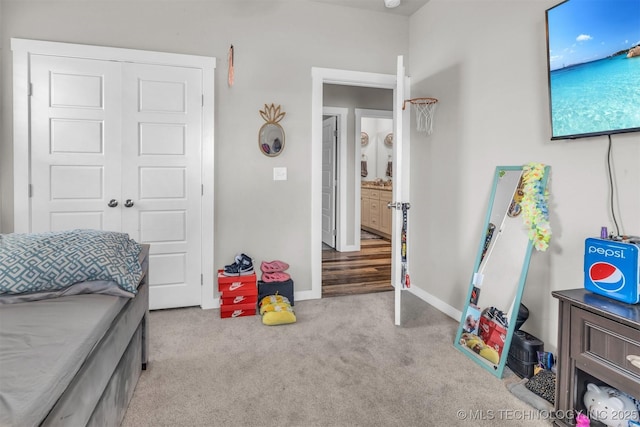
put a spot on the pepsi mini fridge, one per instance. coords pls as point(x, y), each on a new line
point(612, 269)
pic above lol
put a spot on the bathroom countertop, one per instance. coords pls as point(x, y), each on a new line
point(377, 186)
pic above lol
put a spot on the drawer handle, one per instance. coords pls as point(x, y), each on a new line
point(635, 360)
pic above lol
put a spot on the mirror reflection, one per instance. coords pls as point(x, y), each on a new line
point(488, 318)
point(376, 150)
point(271, 134)
point(271, 139)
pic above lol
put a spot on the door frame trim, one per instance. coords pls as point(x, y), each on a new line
point(22, 50)
point(319, 77)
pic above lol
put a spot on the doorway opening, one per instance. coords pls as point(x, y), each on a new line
point(356, 223)
point(350, 191)
point(366, 269)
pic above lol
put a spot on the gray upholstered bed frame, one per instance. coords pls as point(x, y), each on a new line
point(100, 392)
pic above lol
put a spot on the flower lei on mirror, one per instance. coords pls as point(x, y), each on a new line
point(534, 206)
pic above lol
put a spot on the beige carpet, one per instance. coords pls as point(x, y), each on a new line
point(344, 363)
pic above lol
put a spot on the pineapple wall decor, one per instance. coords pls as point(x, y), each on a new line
point(271, 134)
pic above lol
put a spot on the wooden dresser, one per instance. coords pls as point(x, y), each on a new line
point(595, 336)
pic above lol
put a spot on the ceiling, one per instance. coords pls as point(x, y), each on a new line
point(406, 8)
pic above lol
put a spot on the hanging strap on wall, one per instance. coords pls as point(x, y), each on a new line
point(230, 58)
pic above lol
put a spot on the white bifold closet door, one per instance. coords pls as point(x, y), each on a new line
point(116, 146)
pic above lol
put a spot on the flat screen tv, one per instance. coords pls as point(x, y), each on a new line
point(593, 59)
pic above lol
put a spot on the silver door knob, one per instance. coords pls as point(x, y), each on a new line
point(398, 206)
point(128, 203)
point(112, 203)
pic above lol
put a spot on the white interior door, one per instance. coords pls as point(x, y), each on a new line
point(75, 140)
point(329, 132)
point(161, 197)
point(401, 173)
point(130, 133)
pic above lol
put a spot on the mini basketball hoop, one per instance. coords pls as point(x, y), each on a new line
point(425, 108)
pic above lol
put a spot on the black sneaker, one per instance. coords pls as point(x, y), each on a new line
point(242, 267)
point(237, 260)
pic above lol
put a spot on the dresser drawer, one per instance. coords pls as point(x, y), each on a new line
point(600, 346)
point(374, 194)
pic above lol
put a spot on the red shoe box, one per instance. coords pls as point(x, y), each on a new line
point(492, 333)
point(238, 295)
point(237, 310)
point(232, 286)
point(239, 299)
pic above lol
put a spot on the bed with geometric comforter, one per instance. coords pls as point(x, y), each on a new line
point(71, 351)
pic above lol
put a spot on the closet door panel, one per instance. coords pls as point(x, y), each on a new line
point(162, 125)
point(75, 149)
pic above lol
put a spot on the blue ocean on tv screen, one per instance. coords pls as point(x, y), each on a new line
point(597, 96)
point(593, 49)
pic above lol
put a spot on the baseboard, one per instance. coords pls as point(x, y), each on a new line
point(435, 302)
point(349, 248)
point(420, 293)
point(305, 295)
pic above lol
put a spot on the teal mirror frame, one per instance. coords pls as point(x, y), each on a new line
point(460, 342)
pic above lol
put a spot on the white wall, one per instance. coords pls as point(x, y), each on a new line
point(276, 45)
point(485, 60)
point(3, 101)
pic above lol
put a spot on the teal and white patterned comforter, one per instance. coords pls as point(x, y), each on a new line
point(42, 262)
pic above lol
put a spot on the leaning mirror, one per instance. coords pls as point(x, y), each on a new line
point(271, 134)
point(516, 222)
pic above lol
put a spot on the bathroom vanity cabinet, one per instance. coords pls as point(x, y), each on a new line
point(375, 217)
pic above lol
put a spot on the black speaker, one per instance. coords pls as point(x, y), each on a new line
point(523, 315)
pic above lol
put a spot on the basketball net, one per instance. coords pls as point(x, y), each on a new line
point(425, 109)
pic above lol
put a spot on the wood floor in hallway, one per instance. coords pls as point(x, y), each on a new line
point(362, 272)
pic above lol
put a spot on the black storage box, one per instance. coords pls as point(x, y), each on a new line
point(523, 353)
point(272, 288)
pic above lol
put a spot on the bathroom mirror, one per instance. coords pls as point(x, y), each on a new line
point(377, 154)
point(271, 134)
point(489, 316)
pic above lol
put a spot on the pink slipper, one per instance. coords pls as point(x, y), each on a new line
point(276, 276)
point(273, 266)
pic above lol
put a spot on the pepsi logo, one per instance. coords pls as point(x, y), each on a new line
point(606, 277)
point(607, 252)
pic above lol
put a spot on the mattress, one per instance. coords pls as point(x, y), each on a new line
point(42, 350)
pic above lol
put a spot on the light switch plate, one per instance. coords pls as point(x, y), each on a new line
point(279, 174)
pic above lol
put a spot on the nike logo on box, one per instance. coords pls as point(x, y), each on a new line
point(235, 285)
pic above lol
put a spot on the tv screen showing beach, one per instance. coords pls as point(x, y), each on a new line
point(593, 49)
